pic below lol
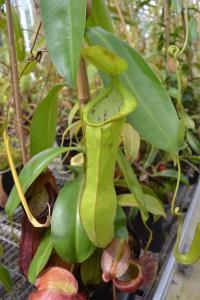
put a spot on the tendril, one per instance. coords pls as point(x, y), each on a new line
point(176, 210)
point(31, 218)
point(176, 52)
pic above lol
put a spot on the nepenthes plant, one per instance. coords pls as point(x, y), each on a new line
point(82, 230)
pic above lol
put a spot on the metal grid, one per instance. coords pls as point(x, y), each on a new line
point(9, 237)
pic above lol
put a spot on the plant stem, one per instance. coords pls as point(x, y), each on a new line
point(83, 90)
point(188, 51)
point(167, 24)
point(14, 72)
point(83, 84)
point(89, 8)
point(166, 21)
point(123, 23)
point(114, 293)
point(35, 38)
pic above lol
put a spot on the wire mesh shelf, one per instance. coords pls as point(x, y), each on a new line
point(9, 238)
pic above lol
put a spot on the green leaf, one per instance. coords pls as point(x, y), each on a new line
point(30, 67)
point(171, 174)
point(120, 224)
point(193, 142)
point(64, 26)
point(5, 278)
point(69, 238)
point(149, 191)
point(91, 269)
point(133, 184)
point(150, 158)
point(19, 37)
point(100, 16)
point(43, 125)
point(155, 117)
point(30, 172)
point(131, 141)
point(41, 257)
point(152, 204)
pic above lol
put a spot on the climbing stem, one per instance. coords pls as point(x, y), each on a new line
point(174, 51)
point(83, 90)
point(15, 80)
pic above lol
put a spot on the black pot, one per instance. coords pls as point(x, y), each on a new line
point(7, 182)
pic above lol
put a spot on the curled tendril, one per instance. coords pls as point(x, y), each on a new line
point(173, 51)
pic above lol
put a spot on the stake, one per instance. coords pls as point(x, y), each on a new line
point(14, 72)
point(82, 83)
point(123, 23)
point(167, 24)
point(83, 90)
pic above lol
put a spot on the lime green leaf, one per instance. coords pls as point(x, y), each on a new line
point(72, 113)
point(30, 68)
point(19, 37)
point(150, 158)
point(69, 238)
point(152, 204)
point(91, 269)
point(193, 254)
point(3, 22)
point(5, 278)
point(133, 184)
point(41, 257)
point(43, 125)
point(100, 16)
point(64, 26)
point(155, 118)
point(131, 141)
point(193, 142)
point(149, 191)
point(189, 122)
point(171, 174)
point(30, 172)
